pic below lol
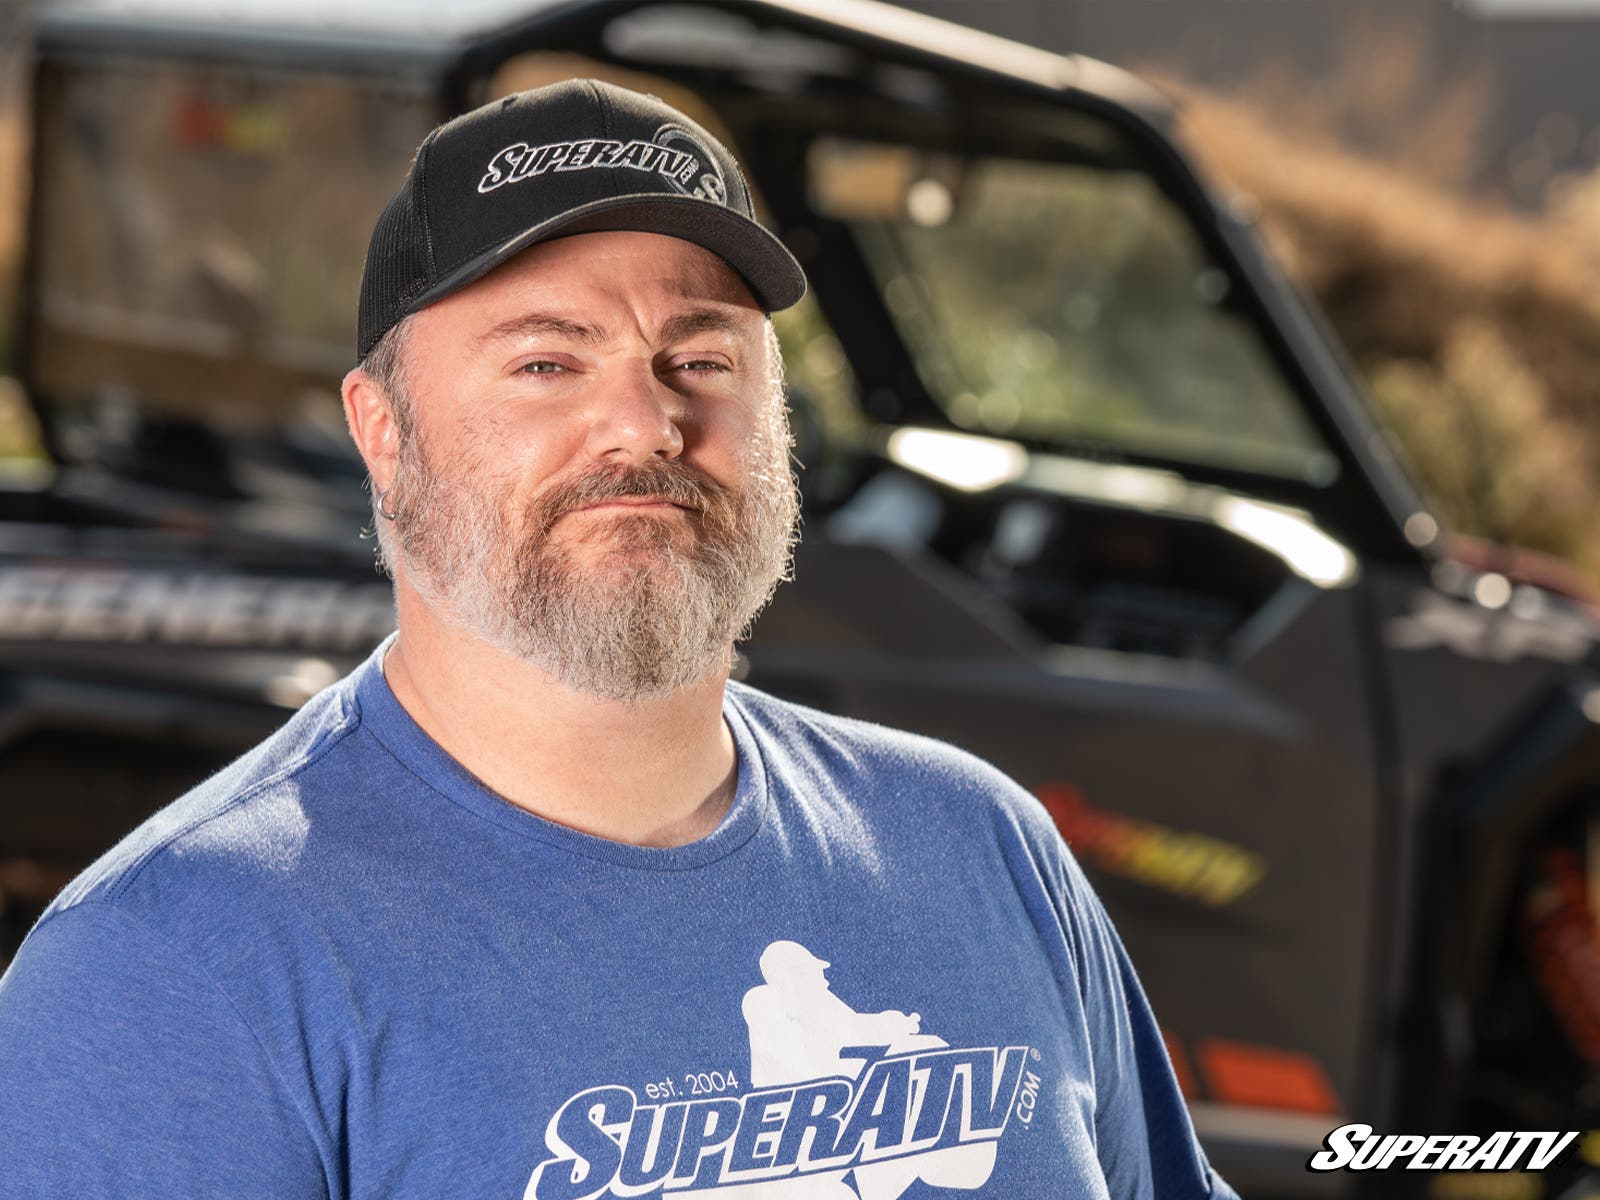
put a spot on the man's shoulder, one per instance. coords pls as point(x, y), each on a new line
point(880, 757)
point(245, 817)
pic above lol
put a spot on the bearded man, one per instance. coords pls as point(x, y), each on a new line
point(514, 908)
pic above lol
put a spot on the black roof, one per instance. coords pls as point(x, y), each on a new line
point(436, 37)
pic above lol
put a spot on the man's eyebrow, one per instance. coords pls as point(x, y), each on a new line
point(535, 324)
point(699, 320)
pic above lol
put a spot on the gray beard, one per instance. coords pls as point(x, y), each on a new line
point(662, 606)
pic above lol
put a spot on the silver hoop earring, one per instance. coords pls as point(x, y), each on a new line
point(383, 511)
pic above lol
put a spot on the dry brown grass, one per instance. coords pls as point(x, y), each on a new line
point(18, 433)
point(13, 192)
point(11, 168)
point(1396, 260)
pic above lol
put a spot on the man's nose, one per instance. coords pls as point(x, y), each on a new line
point(637, 417)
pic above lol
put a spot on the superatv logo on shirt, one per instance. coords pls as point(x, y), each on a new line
point(672, 153)
point(834, 1092)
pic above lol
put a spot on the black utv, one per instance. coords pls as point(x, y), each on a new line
point(1088, 491)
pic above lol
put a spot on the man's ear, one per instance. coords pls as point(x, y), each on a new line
point(370, 416)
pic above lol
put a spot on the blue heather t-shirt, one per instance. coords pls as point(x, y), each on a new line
point(343, 967)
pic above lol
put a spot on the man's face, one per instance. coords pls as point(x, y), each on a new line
point(592, 471)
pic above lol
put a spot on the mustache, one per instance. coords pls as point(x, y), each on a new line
point(664, 478)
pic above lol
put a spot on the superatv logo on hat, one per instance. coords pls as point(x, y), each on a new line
point(672, 153)
point(588, 157)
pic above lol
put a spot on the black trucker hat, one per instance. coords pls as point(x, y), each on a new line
point(579, 156)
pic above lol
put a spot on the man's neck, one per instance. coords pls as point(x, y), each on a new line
point(653, 773)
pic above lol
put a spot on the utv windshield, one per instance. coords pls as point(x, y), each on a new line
point(1065, 303)
point(200, 234)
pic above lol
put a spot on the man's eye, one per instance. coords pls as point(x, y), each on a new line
point(702, 364)
point(541, 367)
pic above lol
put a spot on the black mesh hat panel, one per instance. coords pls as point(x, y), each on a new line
point(398, 269)
point(577, 156)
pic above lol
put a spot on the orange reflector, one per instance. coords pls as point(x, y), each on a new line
point(1262, 1077)
point(1180, 1065)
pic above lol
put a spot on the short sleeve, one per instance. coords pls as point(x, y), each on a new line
point(125, 1072)
point(1145, 1139)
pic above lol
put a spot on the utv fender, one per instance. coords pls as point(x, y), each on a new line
point(1486, 818)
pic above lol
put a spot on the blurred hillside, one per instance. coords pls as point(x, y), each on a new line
point(13, 18)
point(16, 428)
point(12, 167)
point(1545, 118)
point(1476, 329)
